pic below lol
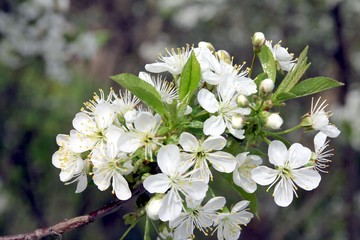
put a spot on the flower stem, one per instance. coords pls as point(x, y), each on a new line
point(287, 131)
point(252, 65)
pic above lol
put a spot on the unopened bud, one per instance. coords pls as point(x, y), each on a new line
point(237, 121)
point(206, 45)
point(242, 101)
point(258, 40)
point(266, 86)
point(274, 121)
point(224, 55)
point(152, 208)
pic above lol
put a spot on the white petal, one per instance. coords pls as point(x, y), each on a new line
point(245, 183)
point(62, 140)
point(319, 120)
point(129, 142)
point(241, 157)
point(80, 143)
point(104, 115)
point(238, 133)
point(222, 161)
point(212, 78)
point(283, 193)
point(184, 230)
point(278, 153)
point(245, 86)
point(158, 183)
point(240, 206)
point(171, 207)
point(145, 122)
point(56, 159)
point(82, 184)
point(208, 101)
point(121, 187)
point(188, 142)
point(319, 141)
point(331, 131)
point(214, 204)
point(214, 143)
point(214, 126)
point(194, 188)
point(306, 178)
point(102, 178)
point(84, 124)
point(263, 175)
point(168, 159)
point(113, 133)
point(157, 67)
point(298, 155)
point(146, 77)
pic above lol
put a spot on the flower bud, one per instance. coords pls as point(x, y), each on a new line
point(206, 45)
point(266, 86)
point(153, 206)
point(258, 40)
point(237, 121)
point(224, 55)
point(274, 121)
point(242, 101)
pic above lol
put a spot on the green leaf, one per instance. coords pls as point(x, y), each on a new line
point(143, 90)
point(267, 62)
point(259, 78)
point(294, 75)
point(309, 86)
point(190, 77)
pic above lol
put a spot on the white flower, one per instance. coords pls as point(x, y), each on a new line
point(207, 151)
point(318, 119)
point(281, 56)
point(174, 63)
point(91, 129)
point(167, 90)
point(320, 156)
point(125, 105)
point(225, 108)
point(174, 180)
point(266, 86)
point(228, 224)
point(110, 165)
point(143, 135)
point(197, 216)
point(242, 173)
point(290, 169)
point(71, 164)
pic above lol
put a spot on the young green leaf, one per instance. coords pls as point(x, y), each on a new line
point(309, 86)
point(143, 90)
point(267, 62)
point(190, 77)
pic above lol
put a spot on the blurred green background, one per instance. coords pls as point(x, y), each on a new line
point(55, 53)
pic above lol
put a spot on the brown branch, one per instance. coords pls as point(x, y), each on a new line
point(76, 222)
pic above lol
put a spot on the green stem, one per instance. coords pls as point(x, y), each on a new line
point(252, 65)
point(129, 229)
point(267, 140)
point(288, 130)
point(200, 114)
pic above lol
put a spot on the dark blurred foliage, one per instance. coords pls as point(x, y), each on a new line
point(34, 108)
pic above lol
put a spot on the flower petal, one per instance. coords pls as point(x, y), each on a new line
point(283, 193)
point(331, 131)
point(222, 161)
point(171, 207)
point(263, 175)
point(188, 142)
point(214, 126)
point(319, 141)
point(278, 153)
point(121, 187)
point(306, 178)
point(84, 124)
point(214, 143)
point(298, 155)
point(168, 159)
point(158, 183)
point(129, 142)
point(104, 115)
point(208, 101)
point(145, 122)
point(214, 204)
point(240, 206)
point(194, 188)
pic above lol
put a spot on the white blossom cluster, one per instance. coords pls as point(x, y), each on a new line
point(40, 28)
point(115, 140)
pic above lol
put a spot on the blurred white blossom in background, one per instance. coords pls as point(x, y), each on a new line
point(40, 29)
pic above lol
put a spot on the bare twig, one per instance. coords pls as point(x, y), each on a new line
point(76, 222)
